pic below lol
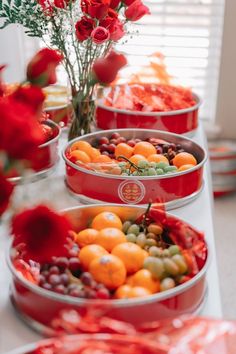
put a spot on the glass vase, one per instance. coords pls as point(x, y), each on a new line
point(83, 118)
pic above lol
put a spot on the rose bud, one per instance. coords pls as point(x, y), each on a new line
point(100, 35)
point(136, 11)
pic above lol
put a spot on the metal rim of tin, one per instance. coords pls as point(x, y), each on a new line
point(152, 114)
point(43, 173)
point(40, 328)
point(173, 204)
point(173, 174)
point(216, 154)
point(114, 302)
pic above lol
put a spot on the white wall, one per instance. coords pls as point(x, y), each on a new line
point(15, 50)
point(226, 105)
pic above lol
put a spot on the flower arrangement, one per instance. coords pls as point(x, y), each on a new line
point(83, 30)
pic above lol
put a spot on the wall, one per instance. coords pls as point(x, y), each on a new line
point(226, 106)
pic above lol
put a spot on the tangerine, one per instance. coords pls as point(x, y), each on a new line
point(144, 148)
point(135, 159)
point(86, 237)
point(185, 167)
point(158, 158)
point(89, 253)
point(184, 158)
point(144, 279)
point(132, 256)
point(82, 146)
point(110, 237)
point(106, 219)
point(108, 270)
point(124, 150)
point(139, 291)
point(123, 292)
point(94, 153)
point(80, 156)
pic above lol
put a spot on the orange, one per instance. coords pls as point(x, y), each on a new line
point(144, 148)
point(138, 291)
point(132, 256)
point(106, 219)
point(110, 237)
point(144, 279)
point(135, 159)
point(158, 158)
point(185, 167)
point(90, 252)
point(83, 146)
point(123, 149)
point(108, 270)
point(80, 156)
point(102, 159)
point(184, 158)
point(86, 237)
point(94, 154)
point(123, 292)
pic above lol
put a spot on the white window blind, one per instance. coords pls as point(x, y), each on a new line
point(188, 33)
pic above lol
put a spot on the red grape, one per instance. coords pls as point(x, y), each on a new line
point(115, 136)
point(103, 140)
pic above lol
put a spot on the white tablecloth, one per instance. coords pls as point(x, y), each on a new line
point(13, 332)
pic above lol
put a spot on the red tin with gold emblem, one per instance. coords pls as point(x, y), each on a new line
point(42, 309)
point(173, 190)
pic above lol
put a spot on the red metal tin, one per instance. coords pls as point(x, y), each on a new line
point(46, 157)
point(60, 114)
point(39, 307)
point(183, 121)
point(173, 190)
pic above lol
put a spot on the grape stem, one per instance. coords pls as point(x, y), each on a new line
point(139, 169)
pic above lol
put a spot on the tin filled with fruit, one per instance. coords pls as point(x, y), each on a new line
point(134, 166)
point(127, 263)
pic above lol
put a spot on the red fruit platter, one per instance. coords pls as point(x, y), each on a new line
point(125, 263)
point(162, 167)
point(46, 157)
point(160, 107)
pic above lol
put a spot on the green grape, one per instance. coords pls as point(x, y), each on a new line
point(122, 164)
point(126, 226)
point(159, 171)
point(155, 266)
point(170, 266)
point(162, 165)
point(135, 173)
point(143, 164)
point(153, 164)
point(170, 169)
point(181, 263)
point(131, 238)
point(141, 240)
point(151, 172)
point(174, 249)
point(167, 284)
point(133, 229)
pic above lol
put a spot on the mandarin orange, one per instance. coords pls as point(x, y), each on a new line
point(124, 149)
point(89, 253)
point(80, 156)
point(184, 158)
point(108, 270)
point(87, 237)
point(185, 167)
point(82, 146)
point(110, 237)
point(144, 148)
point(106, 219)
point(158, 158)
point(132, 256)
point(144, 279)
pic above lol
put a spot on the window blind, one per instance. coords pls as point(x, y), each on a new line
point(188, 33)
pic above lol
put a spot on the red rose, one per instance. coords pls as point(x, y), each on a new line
point(114, 3)
point(61, 4)
point(42, 232)
point(32, 96)
point(136, 11)
point(106, 69)
point(128, 2)
point(41, 70)
point(5, 193)
point(100, 35)
point(84, 28)
point(113, 24)
point(20, 133)
point(95, 8)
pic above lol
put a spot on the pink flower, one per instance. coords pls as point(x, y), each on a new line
point(136, 11)
point(100, 35)
point(84, 28)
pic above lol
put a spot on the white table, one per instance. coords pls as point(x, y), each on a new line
point(14, 333)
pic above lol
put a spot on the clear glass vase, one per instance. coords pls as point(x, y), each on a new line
point(83, 118)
